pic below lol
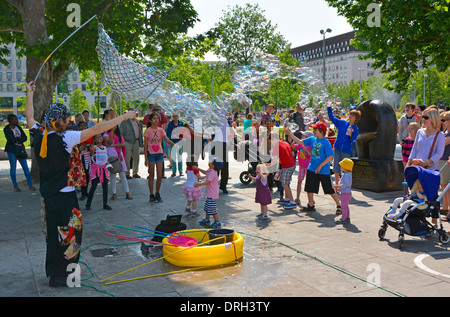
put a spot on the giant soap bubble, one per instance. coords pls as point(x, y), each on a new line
point(136, 81)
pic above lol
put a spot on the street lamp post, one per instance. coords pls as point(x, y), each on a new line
point(424, 83)
point(360, 70)
point(212, 67)
point(323, 51)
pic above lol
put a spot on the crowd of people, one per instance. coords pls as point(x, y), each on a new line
point(78, 155)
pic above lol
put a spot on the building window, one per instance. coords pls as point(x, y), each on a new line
point(9, 87)
point(19, 76)
point(74, 76)
point(1, 87)
point(9, 76)
point(102, 101)
point(18, 63)
point(74, 87)
point(6, 102)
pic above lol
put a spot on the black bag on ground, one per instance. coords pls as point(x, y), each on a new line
point(166, 227)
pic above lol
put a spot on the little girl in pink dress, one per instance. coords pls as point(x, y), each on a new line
point(192, 193)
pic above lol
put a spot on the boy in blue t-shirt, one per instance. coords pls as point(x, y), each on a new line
point(319, 167)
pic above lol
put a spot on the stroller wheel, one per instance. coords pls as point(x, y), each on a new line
point(244, 178)
point(382, 232)
point(444, 238)
point(401, 240)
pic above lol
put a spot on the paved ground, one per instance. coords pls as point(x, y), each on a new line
point(295, 254)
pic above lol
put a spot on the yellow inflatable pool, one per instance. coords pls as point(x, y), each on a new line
point(206, 254)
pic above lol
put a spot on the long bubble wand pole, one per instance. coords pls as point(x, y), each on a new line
point(160, 82)
point(45, 61)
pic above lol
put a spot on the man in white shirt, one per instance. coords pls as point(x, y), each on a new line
point(223, 139)
point(58, 170)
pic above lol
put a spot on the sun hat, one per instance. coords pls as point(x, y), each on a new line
point(347, 164)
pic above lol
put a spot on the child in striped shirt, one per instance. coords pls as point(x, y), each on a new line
point(413, 127)
point(212, 194)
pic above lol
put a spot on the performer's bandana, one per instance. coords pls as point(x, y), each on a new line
point(55, 113)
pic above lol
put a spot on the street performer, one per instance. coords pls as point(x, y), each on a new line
point(53, 146)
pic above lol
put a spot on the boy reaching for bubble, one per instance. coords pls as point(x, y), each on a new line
point(319, 167)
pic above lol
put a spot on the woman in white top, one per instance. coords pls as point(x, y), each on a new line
point(425, 138)
point(428, 146)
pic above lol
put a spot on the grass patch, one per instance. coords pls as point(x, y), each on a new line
point(3, 138)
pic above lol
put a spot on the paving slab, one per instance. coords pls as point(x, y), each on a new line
point(294, 254)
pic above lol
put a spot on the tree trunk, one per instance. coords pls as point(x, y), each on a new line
point(43, 97)
point(35, 32)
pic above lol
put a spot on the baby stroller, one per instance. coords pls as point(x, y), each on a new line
point(413, 222)
point(247, 151)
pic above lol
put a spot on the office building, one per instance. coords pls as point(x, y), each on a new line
point(342, 64)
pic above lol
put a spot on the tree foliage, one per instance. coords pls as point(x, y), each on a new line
point(244, 31)
point(411, 35)
point(142, 29)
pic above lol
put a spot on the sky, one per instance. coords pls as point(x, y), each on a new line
point(299, 21)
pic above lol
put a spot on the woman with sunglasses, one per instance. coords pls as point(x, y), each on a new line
point(425, 143)
point(429, 145)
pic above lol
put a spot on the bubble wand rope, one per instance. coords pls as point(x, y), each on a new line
point(168, 255)
point(45, 61)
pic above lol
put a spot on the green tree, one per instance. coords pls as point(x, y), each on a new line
point(77, 102)
point(411, 35)
point(95, 84)
point(37, 27)
point(242, 32)
point(63, 86)
point(141, 29)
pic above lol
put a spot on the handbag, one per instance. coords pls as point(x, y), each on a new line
point(20, 152)
point(114, 166)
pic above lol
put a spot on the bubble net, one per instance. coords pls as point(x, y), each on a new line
point(121, 73)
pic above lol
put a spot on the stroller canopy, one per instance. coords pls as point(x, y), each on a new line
point(430, 180)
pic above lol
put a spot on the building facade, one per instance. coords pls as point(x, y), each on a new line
point(342, 64)
point(12, 84)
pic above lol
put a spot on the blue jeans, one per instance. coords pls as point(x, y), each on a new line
point(13, 165)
